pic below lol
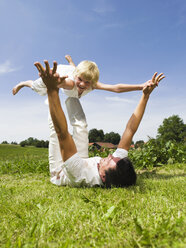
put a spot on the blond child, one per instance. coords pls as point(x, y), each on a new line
point(79, 80)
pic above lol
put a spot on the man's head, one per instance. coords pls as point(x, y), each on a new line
point(117, 172)
point(86, 75)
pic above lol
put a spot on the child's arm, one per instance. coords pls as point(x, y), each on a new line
point(19, 86)
point(119, 88)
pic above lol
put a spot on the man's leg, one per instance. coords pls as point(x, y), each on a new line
point(55, 158)
point(80, 133)
point(78, 121)
point(39, 87)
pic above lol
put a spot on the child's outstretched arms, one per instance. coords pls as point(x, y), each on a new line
point(119, 88)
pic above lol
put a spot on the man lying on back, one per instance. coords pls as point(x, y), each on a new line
point(114, 170)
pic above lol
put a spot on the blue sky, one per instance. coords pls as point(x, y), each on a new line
point(129, 40)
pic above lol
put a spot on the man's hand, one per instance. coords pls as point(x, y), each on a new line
point(151, 84)
point(49, 76)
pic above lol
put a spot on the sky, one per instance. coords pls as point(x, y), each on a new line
point(128, 39)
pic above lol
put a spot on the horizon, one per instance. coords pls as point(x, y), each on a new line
point(145, 141)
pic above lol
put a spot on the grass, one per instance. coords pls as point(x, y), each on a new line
point(35, 213)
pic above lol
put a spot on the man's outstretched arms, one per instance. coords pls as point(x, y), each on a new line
point(51, 80)
point(136, 117)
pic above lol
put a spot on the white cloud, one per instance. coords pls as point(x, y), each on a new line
point(118, 99)
point(7, 67)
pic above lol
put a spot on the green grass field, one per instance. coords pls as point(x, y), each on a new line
point(35, 213)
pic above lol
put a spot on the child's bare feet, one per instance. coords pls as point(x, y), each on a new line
point(69, 59)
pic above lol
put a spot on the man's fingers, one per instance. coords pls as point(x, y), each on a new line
point(47, 66)
point(54, 67)
point(39, 67)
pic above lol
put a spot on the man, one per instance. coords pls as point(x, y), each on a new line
point(116, 169)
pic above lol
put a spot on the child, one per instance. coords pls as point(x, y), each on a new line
point(80, 80)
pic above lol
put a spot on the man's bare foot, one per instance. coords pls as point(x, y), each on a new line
point(69, 59)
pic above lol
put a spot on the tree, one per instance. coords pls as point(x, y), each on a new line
point(23, 143)
point(172, 129)
point(34, 142)
point(139, 143)
point(42, 143)
point(13, 143)
point(5, 142)
point(96, 135)
point(112, 137)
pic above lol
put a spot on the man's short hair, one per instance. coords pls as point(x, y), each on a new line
point(88, 70)
point(123, 176)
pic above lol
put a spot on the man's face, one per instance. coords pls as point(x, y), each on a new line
point(82, 84)
point(105, 164)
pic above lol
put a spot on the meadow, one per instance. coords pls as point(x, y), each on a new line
point(35, 213)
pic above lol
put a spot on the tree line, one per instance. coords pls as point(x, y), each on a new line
point(30, 142)
point(172, 129)
point(99, 136)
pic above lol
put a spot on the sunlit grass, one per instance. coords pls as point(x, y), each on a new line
point(35, 213)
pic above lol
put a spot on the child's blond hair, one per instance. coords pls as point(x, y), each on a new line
point(88, 70)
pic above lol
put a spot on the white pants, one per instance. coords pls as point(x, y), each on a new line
point(80, 133)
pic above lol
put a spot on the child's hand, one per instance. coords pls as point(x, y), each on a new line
point(151, 84)
point(155, 80)
point(148, 83)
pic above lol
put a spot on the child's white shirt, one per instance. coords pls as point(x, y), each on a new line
point(63, 70)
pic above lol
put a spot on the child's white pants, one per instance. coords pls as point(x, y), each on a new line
point(80, 133)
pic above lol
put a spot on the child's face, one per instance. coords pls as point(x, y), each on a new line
point(82, 84)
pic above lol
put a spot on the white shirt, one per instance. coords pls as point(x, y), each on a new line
point(78, 172)
point(63, 70)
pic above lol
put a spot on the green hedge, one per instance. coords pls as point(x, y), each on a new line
point(155, 153)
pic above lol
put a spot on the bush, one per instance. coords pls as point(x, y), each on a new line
point(156, 153)
point(104, 152)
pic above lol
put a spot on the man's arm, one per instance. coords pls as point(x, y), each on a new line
point(136, 117)
point(51, 80)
